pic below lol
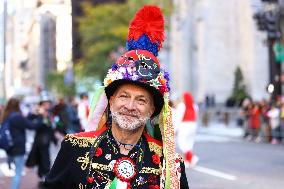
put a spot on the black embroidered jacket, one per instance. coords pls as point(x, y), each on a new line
point(85, 161)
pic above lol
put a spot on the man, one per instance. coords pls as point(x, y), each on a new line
point(120, 153)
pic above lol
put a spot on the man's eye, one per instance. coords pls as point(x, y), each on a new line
point(123, 96)
point(142, 101)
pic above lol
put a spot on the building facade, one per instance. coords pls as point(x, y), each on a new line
point(209, 39)
point(38, 41)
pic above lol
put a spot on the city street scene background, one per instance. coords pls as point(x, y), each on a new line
point(227, 53)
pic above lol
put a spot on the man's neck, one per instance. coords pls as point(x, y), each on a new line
point(126, 137)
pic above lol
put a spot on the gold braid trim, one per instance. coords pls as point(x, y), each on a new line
point(151, 170)
point(156, 148)
point(101, 167)
point(84, 160)
point(81, 186)
point(80, 141)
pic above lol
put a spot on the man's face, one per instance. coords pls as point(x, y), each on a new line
point(131, 106)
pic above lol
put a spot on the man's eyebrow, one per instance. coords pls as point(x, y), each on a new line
point(143, 97)
point(129, 92)
point(124, 91)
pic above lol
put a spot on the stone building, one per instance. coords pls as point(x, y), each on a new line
point(208, 40)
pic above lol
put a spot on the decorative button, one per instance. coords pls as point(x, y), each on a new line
point(90, 179)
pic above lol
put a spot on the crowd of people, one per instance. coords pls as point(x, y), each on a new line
point(48, 119)
point(263, 120)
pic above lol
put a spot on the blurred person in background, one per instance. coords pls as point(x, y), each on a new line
point(72, 114)
point(274, 119)
point(61, 117)
point(18, 124)
point(83, 110)
point(265, 125)
point(39, 154)
point(186, 130)
point(254, 122)
point(246, 106)
point(282, 121)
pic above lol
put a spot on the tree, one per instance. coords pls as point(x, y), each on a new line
point(55, 84)
point(239, 92)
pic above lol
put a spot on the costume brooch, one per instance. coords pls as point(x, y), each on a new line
point(124, 170)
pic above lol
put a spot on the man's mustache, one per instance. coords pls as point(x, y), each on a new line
point(129, 113)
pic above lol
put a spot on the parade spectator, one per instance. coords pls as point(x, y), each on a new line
point(265, 124)
point(274, 118)
point(254, 122)
point(282, 122)
point(245, 108)
point(18, 125)
point(61, 117)
point(39, 155)
point(72, 115)
point(83, 110)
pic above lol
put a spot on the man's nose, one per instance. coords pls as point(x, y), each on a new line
point(130, 104)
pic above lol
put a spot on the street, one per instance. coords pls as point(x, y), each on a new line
point(231, 162)
point(225, 161)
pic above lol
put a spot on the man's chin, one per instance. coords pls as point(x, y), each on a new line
point(129, 129)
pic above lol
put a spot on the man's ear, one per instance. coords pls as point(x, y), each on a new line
point(110, 101)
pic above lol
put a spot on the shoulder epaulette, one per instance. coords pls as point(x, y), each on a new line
point(154, 145)
point(83, 139)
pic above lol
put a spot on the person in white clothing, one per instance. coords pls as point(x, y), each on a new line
point(186, 130)
point(274, 118)
point(83, 110)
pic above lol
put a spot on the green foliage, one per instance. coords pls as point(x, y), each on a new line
point(55, 84)
point(103, 29)
point(239, 89)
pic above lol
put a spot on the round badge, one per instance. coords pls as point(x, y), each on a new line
point(147, 69)
point(124, 169)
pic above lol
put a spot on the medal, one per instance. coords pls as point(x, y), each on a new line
point(124, 169)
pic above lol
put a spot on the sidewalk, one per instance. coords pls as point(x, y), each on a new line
point(29, 179)
point(219, 132)
point(218, 128)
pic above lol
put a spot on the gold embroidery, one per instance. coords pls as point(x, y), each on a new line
point(155, 148)
point(84, 160)
point(80, 141)
point(101, 167)
point(81, 186)
point(151, 170)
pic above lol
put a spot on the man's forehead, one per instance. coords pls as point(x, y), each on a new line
point(133, 90)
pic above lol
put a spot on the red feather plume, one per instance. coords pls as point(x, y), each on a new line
point(148, 20)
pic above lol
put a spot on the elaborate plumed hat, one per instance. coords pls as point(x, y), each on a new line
point(140, 65)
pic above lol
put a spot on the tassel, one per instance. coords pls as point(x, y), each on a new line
point(171, 179)
point(97, 109)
